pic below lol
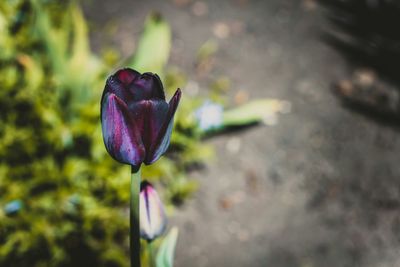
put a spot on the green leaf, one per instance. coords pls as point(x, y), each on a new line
point(262, 110)
point(154, 46)
point(165, 255)
point(55, 40)
point(83, 67)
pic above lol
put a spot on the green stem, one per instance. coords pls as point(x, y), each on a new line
point(134, 218)
point(152, 260)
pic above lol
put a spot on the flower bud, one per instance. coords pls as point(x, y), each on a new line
point(153, 220)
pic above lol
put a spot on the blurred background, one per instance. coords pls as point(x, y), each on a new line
point(307, 177)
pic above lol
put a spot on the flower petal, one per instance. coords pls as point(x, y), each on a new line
point(153, 220)
point(147, 86)
point(160, 144)
point(118, 84)
point(120, 134)
point(149, 116)
point(126, 76)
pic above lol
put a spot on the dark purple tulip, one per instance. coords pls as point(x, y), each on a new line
point(136, 120)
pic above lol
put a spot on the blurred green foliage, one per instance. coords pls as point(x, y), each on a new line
point(74, 197)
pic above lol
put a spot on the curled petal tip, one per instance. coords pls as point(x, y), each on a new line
point(173, 103)
point(177, 94)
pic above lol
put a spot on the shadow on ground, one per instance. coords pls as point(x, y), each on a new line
point(364, 32)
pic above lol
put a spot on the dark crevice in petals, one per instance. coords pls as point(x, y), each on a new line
point(149, 116)
point(162, 140)
point(146, 197)
point(158, 112)
point(121, 137)
point(139, 111)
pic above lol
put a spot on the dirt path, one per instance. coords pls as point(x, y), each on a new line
point(321, 187)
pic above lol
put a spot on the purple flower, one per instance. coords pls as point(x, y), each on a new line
point(153, 220)
point(136, 120)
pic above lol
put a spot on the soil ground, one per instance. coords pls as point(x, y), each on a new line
point(318, 189)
